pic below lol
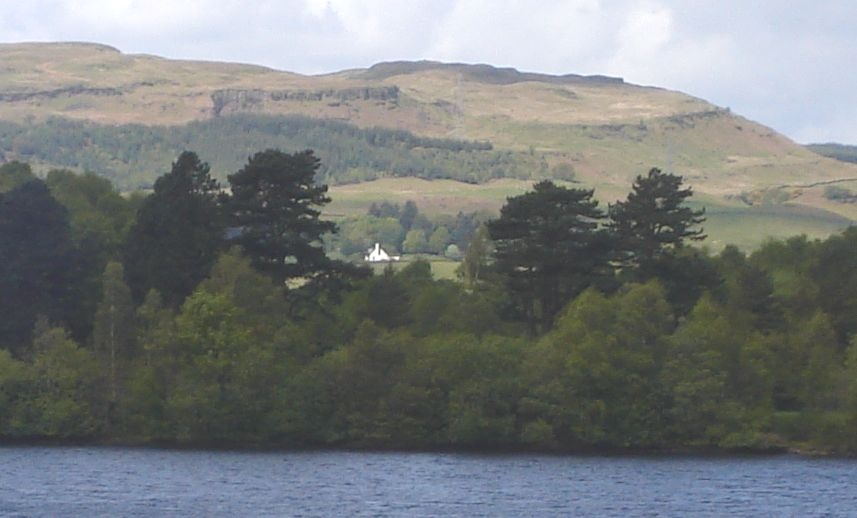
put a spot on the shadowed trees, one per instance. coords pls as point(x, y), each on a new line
point(37, 262)
point(274, 209)
point(548, 249)
point(649, 231)
point(653, 221)
point(177, 234)
point(275, 206)
point(13, 174)
point(100, 217)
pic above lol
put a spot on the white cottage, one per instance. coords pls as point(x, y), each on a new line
point(379, 255)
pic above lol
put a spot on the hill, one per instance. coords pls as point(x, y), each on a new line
point(89, 106)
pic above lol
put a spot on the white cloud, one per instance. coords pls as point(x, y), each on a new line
point(646, 30)
point(318, 8)
point(377, 29)
point(139, 17)
point(559, 36)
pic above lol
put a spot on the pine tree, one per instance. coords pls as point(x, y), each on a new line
point(178, 233)
point(549, 249)
point(38, 263)
point(653, 220)
point(275, 208)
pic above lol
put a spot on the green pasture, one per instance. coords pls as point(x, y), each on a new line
point(727, 221)
point(431, 196)
point(747, 227)
point(441, 267)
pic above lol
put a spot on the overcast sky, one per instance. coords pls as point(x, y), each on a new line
point(789, 64)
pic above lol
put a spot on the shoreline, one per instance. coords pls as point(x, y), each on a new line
point(213, 446)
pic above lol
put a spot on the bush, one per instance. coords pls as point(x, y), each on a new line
point(538, 434)
point(453, 252)
point(840, 194)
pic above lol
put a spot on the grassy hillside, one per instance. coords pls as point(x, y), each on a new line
point(728, 221)
point(91, 107)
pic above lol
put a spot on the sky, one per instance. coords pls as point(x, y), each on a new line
point(789, 64)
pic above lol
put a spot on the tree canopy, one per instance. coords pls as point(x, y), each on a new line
point(653, 220)
point(549, 249)
point(38, 263)
point(13, 174)
point(274, 209)
point(735, 350)
point(177, 234)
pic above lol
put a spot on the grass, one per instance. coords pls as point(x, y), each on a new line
point(727, 221)
point(441, 267)
point(431, 196)
point(732, 222)
point(749, 228)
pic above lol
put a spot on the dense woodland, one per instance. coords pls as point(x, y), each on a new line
point(842, 152)
point(191, 316)
point(125, 153)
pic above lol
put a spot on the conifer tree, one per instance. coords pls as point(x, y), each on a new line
point(38, 263)
point(549, 249)
point(653, 220)
point(178, 233)
point(275, 208)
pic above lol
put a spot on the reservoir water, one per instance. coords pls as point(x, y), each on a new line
point(83, 481)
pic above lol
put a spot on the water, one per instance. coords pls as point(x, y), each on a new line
point(36, 481)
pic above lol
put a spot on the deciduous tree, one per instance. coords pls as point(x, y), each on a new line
point(114, 330)
point(415, 242)
point(13, 174)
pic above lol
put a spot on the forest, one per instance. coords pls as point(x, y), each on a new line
point(200, 315)
point(841, 152)
point(125, 153)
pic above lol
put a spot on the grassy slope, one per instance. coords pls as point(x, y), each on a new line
point(433, 197)
point(441, 267)
point(728, 221)
point(607, 131)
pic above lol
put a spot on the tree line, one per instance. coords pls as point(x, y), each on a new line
point(125, 153)
point(405, 229)
point(191, 316)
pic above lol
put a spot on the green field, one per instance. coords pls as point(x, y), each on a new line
point(431, 196)
point(749, 227)
point(728, 221)
point(441, 267)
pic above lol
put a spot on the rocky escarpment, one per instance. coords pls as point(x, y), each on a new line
point(59, 92)
point(248, 99)
point(481, 73)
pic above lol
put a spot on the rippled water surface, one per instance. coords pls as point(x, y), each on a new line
point(37, 481)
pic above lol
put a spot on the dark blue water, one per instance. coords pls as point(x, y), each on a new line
point(38, 481)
